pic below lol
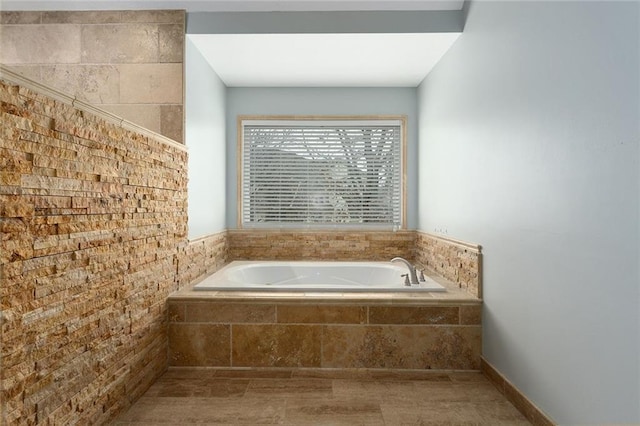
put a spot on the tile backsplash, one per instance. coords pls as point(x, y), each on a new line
point(457, 261)
point(319, 245)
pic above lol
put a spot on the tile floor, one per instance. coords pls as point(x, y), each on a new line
point(184, 396)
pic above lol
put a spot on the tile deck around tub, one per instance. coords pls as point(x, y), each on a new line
point(454, 294)
point(184, 396)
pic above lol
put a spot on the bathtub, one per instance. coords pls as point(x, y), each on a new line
point(292, 276)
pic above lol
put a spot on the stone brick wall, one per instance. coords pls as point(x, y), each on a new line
point(456, 261)
point(319, 245)
point(202, 257)
point(128, 62)
point(92, 215)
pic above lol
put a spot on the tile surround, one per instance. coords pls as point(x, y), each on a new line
point(426, 331)
point(457, 261)
point(454, 260)
point(201, 257)
point(352, 334)
point(319, 245)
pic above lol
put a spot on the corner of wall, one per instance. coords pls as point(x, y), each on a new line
point(455, 260)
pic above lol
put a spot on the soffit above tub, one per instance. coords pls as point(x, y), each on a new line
point(232, 5)
point(323, 60)
point(324, 48)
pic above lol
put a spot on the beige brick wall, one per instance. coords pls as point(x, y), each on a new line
point(202, 257)
point(92, 216)
point(457, 261)
point(319, 245)
point(127, 62)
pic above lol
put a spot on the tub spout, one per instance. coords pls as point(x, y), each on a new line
point(412, 269)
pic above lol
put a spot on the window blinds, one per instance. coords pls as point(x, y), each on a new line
point(322, 174)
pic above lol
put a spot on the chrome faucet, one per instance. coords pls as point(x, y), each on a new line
point(412, 270)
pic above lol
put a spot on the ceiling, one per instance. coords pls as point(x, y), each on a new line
point(298, 60)
point(329, 60)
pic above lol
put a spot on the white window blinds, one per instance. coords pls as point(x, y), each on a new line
point(321, 173)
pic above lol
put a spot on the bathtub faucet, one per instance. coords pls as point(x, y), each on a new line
point(412, 270)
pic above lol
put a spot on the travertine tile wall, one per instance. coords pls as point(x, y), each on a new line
point(127, 62)
point(457, 261)
point(201, 257)
point(92, 216)
point(306, 335)
point(319, 245)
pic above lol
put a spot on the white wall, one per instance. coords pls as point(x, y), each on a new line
point(529, 145)
point(205, 138)
point(319, 101)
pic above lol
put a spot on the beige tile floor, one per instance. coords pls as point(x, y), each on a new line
point(206, 397)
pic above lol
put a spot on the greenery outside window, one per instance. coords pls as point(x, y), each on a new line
point(319, 172)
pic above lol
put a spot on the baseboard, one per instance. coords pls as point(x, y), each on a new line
point(534, 414)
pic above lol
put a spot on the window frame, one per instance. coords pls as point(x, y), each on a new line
point(374, 119)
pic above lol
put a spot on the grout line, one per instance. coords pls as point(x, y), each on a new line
point(230, 345)
point(322, 331)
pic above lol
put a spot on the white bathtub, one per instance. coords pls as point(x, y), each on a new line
point(313, 277)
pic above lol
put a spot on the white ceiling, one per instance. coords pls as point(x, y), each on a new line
point(298, 60)
point(329, 60)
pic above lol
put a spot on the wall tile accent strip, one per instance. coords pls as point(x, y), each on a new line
point(262, 334)
point(319, 245)
point(128, 62)
point(92, 215)
point(454, 260)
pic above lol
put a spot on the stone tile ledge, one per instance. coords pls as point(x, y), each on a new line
point(453, 295)
point(13, 78)
point(318, 298)
point(477, 248)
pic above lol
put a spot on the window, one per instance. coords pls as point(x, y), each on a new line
point(321, 172)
